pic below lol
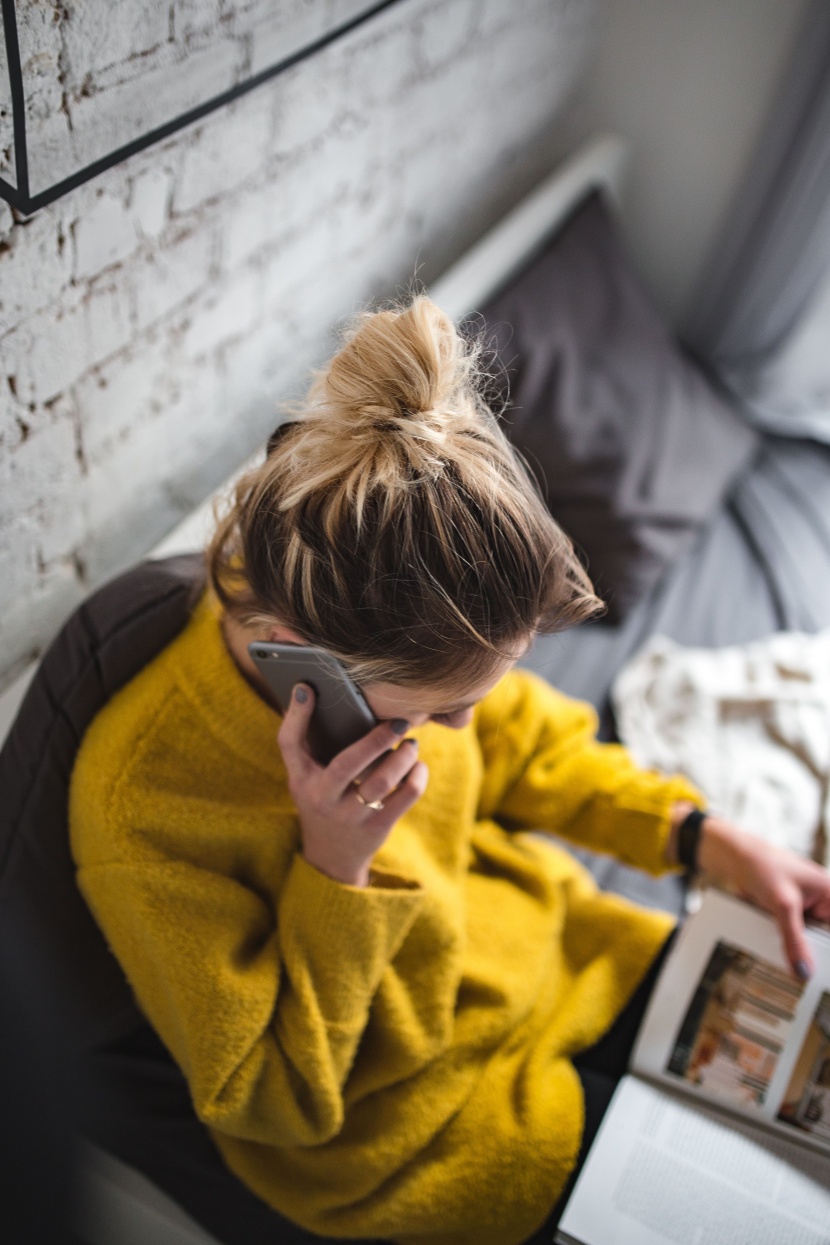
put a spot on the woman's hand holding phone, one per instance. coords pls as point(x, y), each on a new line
point(341, 833)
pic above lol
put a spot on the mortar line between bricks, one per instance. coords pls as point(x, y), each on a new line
point(28, 205)
point(21, 159)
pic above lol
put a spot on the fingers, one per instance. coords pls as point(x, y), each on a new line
point(408, 793)
point(817, 892)
point(293, 733)
point(788, 911)
point(352, 761)
point(380, 752)
point(389, 773)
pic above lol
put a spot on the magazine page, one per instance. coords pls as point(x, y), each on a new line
point(729, 1022)
point(666, 1170)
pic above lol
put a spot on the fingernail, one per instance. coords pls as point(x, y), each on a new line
point(300, 695)
point(803, 970)
point(399, 725)
point(410, 740)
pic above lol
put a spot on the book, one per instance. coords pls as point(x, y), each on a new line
point(720, 1132)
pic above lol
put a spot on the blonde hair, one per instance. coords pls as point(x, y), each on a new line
point(392, 523)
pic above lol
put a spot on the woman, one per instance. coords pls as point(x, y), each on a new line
point(373, 982)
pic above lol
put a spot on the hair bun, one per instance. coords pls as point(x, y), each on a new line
point(399, 402)
point(399, 366)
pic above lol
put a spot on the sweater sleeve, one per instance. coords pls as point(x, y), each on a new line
point(544, 769)
point(262, 1011)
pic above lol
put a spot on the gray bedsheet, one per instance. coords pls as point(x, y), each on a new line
point(763, 565)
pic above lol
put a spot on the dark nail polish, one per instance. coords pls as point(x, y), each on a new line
point(399, 725)
point(803, 970)
point(412, 741)
point(300, 695)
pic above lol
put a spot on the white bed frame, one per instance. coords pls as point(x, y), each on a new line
point(464, 288)
point(118, 1202)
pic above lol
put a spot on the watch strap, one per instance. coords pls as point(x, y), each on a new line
point(688, 838)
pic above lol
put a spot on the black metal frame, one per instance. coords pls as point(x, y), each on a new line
point(19, 196)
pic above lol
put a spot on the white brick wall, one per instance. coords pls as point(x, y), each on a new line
point(152, 320)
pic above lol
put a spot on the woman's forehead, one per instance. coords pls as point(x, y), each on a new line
point(438, 698)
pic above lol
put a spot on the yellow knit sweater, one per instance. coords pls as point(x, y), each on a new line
point(393, 1061)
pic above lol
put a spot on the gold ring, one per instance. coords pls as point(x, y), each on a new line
point(377, 805)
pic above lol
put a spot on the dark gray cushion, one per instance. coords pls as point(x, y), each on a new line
point(633, 447)
point(103, 645)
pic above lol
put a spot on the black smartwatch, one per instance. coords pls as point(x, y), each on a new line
point(688, 838)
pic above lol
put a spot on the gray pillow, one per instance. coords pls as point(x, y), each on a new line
point(633, 447)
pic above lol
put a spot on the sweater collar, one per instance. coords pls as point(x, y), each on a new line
point(211, 679)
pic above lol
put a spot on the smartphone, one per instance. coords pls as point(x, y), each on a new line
point(341, 715)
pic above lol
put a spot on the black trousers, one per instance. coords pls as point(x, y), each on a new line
point(601, 1067)
point(141, 1112)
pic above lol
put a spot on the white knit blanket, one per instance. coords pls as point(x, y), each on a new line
point(749, 725)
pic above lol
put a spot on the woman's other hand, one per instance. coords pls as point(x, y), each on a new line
point(341, 832)
point(773, 878)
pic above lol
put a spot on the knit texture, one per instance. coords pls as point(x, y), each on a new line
point(386, 1062)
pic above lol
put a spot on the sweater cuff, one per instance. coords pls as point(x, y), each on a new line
point(644, 823)
point(338, 939)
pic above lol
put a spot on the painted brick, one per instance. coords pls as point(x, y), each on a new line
point(40, 42)
point(52, 157)
point(35, 494)
point(305, 106)
point(103, 236)
point(51, 153)
point(318, 178)
point(258, 371)
point(375, 212)
point(194, 19)
point(134, 495)
point(119, 395)
point(163, 280)
point(107, 324)
point(298, 262)
point(129, 107)
point(281, 30)
point(229, 313)
point(229, 151)
point(46, 354)
point(101, 33)
point(53, 468)
point(257, 222)
point(17, 424)
point(150, 197)
point(49, 352)
point(379, 60)
point(444, 32)
point(37, 268)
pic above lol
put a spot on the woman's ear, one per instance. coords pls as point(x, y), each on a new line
point(278, 634)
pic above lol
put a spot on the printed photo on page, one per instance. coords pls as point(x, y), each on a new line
point(806, 1104)
point(736, 1026)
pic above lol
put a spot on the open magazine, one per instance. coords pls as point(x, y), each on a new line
point(721, 1131)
